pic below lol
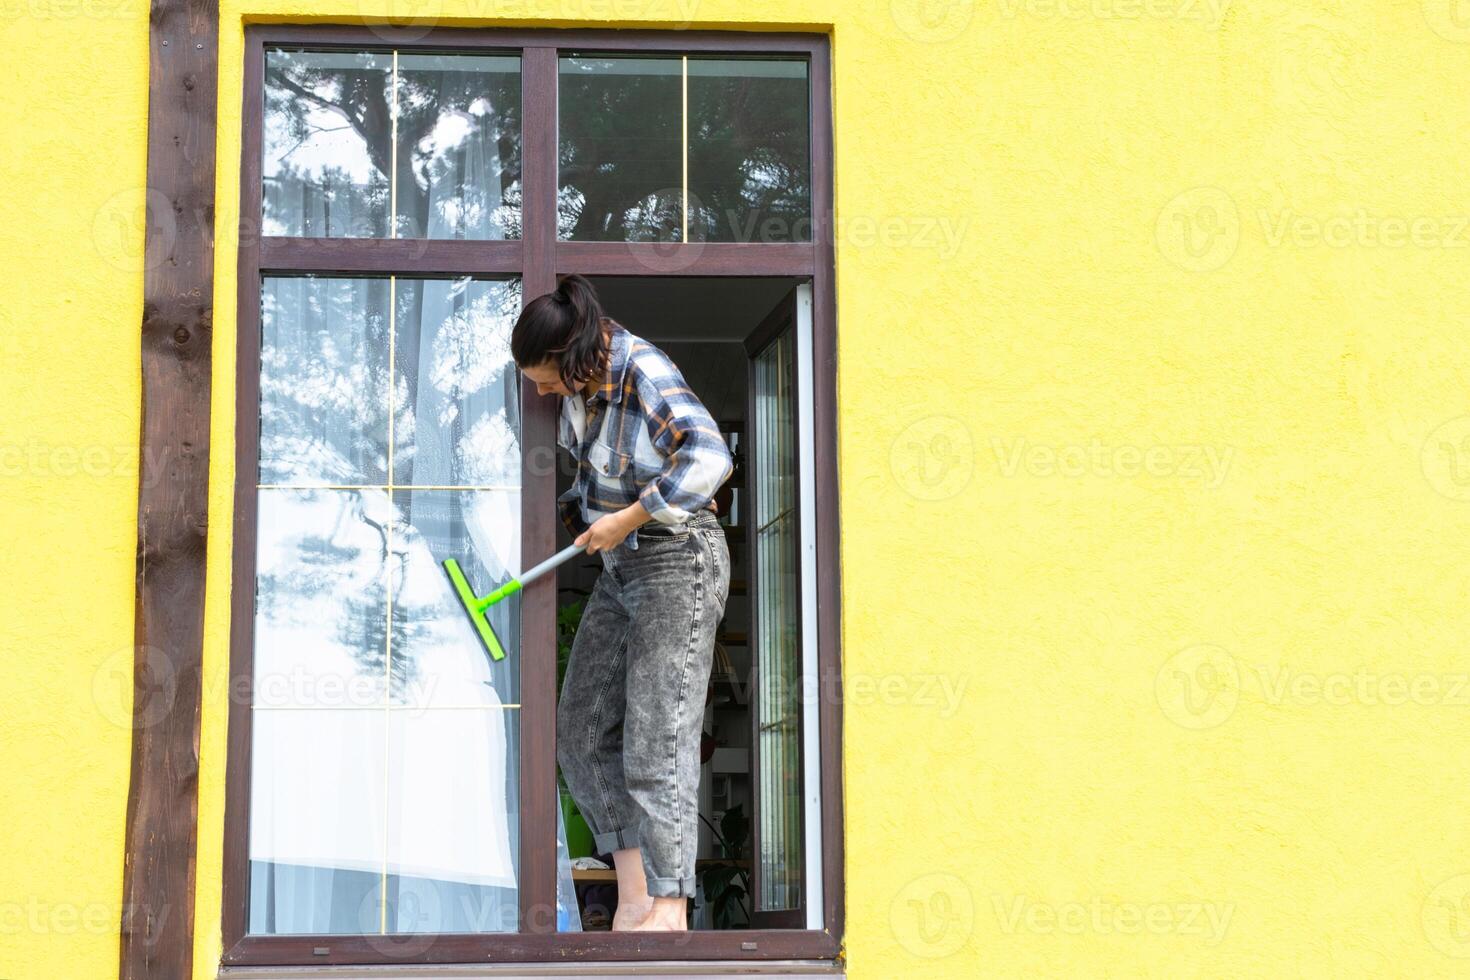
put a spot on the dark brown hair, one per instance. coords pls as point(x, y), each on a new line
point(565, 326)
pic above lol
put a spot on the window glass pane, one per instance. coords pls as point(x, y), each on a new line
point(321, 598)
point(749, 158)
point(777, 647)
point(440, 660)
point(459, 146)
point(458, 413)
point(327, 143)
point(453, 840)
point(384, 739)
point(317, 820)
point(621, 165)
point(324, 380)
point(330, 167)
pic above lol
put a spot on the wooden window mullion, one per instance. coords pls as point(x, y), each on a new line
point(538, 790)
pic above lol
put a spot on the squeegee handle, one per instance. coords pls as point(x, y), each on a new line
point(564, 555)
point(530, 575)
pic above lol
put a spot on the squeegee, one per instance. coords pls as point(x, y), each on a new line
point(477, 606)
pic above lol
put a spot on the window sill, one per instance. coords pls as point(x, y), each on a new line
point(666, 969)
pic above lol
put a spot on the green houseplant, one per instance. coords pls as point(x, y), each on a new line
point(579, 835)
point(726, 885)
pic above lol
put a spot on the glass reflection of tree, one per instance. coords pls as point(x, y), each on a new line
point(295, 91)
point(323, 380)
point(363, 97)
point(324, 388)
point(748, 156)
point(326, 564)
point(616, 188)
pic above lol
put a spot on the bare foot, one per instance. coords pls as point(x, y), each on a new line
point(667, 915)
point(629, 915)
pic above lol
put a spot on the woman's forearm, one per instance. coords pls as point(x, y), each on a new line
point(634, 516)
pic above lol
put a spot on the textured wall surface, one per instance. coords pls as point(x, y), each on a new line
point(1153, 393)
point(72, 156)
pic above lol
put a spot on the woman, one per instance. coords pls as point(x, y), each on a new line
point(631, 712)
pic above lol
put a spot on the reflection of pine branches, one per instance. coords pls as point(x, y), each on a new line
point(364, 627)
point(426, 96)
point(489, 102)
point(362, 99)
point(326, 567)
point(749, 148)
point(607, 161)
point(321, 399)
point(320, 568)
point(748, 155)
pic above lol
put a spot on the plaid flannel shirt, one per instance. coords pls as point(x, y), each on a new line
point(644, 435)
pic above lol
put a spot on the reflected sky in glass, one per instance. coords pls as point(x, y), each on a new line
point(621, 156)
point(384, 739)
point(456, 386)
point(749, 159)
point(327, 143)
point(334, 165)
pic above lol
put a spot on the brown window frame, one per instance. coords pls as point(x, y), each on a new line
point(537, 258)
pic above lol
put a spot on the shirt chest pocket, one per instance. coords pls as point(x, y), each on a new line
point(606, 460)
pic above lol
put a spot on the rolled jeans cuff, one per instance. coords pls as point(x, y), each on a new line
point(615, 840)
point(670, 887)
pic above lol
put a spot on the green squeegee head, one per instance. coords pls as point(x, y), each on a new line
point(477, 611)
point(477, 606)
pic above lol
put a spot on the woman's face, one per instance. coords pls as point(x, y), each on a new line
point(547, 378)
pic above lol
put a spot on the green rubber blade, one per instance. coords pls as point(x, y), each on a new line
point(473, 609)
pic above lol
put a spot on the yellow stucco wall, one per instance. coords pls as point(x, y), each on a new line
point(1153, 399)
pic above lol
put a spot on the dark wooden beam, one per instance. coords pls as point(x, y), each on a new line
point(157, 928)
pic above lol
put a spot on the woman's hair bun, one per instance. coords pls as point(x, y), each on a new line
point(565, 324)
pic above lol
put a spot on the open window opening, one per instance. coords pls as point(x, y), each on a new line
point(744, 347)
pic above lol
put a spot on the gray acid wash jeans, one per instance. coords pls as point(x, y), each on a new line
point(631, 712)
